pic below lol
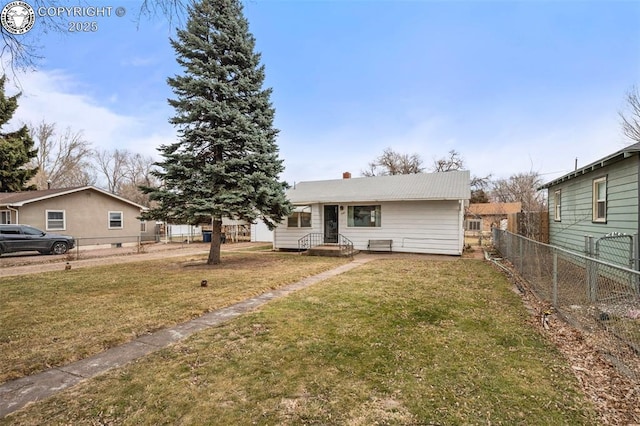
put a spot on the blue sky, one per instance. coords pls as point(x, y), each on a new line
point(512, 86)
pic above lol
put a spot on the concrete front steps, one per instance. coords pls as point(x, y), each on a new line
point(331, 250)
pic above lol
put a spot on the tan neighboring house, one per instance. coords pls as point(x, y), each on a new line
point(481, 217)
point(89, 214)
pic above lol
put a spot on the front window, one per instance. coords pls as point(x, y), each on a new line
point(600, 200)
point(300, 217)
point(557, 200)
point(55, 220)
point(364, 216)
point(115, 220)
point(5, 217)
point(143, 226)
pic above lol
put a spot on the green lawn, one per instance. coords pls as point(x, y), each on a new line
point(397, 342)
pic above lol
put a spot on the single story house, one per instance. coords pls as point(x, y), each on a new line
point(89, 214)
point(481, 217)
point(419, 213)
point(598, 200)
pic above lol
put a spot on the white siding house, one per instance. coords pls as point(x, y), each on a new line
point(420, 213)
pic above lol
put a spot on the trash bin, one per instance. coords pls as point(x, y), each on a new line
point(206, 236)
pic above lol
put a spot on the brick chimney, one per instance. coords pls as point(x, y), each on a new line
point(346, 175)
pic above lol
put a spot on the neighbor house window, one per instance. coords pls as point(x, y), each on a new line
point(557, 202)
point(600, 199)
point(55, 220)
point(473, 224)
point(364, 216)
point(300, 217)
point(115, 220)
point(143, 226)
point(5, 217)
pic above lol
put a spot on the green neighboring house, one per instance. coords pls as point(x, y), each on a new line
point(598, 200)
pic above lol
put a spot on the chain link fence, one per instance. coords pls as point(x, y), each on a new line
point(599, 297)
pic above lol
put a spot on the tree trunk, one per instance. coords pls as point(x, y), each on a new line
point(214, 250)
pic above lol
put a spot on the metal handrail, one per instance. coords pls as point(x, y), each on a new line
point(310, 240)
point(345, 245)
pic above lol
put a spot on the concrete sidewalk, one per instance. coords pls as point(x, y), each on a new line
point(17, 393)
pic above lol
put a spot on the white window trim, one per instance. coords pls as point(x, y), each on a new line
point(297, 213)
point(595, 217)
point(121, 220)
point(377, 218)
point(557, 205)
point(64, 220)
point(8, 213)
point(143, 226)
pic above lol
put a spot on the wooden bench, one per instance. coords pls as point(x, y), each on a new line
point(379, 245)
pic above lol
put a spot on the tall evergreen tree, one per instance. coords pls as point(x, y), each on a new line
point(16, 149)
point(225, 164)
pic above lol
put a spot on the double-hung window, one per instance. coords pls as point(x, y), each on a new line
point(557, 205)
point(115, 220)
point(600, 199)
point(56, 220)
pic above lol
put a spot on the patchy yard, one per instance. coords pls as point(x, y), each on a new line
point(51, 319)
point(396, 341)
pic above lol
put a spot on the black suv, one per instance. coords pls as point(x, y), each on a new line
point(15, 238)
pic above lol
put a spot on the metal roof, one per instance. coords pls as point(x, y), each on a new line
point(609, 159)
point(454, 185)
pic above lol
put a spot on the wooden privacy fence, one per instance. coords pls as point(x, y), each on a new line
point(534, 225)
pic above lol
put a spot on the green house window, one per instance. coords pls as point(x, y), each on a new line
point(557, 202)
point(600, 199)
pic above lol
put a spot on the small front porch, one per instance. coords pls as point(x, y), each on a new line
point(315, 244)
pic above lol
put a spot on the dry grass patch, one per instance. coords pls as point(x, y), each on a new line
point(396, 342)
point(51, 319)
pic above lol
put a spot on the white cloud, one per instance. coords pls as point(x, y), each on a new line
point(55, 97)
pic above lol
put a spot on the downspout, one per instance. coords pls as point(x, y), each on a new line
point(636, 248)
point(17, 214)
point(461, 227)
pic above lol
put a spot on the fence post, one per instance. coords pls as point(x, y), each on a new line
point(555, 278)
point(520, 254)
point(591, 266)
point(77, 248)
point(635, 262)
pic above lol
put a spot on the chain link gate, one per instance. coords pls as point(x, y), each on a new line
point(616, 248)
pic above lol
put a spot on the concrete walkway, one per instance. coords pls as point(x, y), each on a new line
point(17, 393)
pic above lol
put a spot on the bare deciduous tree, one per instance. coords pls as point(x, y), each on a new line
point(394, 163)
point(631, 121)
point(521, 187)
point(124, 172)
point(452, 162)
point(112, 167)
point(63, 159)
